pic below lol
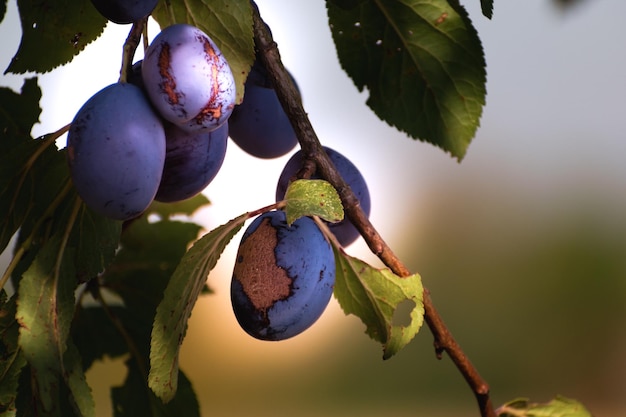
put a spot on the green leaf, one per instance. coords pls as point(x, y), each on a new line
point(18, 114)
point(44, 312)
point(227, 22)
point(53, 32)
point(95, 336)
point(12, 360)
point(185, 207)
point(312, 198)
point(80, 396)
point(96, 239)
point(134, 398)
point(487, 8)
point(391, 307)
point(3, 9)
point(185, 285)
point(558, 407)
point(422, 63)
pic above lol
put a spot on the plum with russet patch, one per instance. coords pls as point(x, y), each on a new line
point(283, 277)
point(188, 79)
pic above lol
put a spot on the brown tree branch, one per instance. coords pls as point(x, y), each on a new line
point(313, 151)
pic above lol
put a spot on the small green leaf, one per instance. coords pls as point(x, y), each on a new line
point(391, 307)
point(80, 393)
point(44, 312)
point(134, 398)
point(181, 294)
point(312, 198)
point(3, 9)
point(53, 32)
point(227, 22)
point(422, 62)
point(487, 8)
point(11, 358)
point(185, 207)
point(96, 239)
point(558, 407)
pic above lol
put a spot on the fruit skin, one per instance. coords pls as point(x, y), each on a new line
point(259, 125)
point(283, 276)
point(192, 160)
point(124, 11)
point(188, 79)
point(344, 230)
point(116, 151)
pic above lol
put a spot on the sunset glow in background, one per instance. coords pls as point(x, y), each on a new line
point(522, 244)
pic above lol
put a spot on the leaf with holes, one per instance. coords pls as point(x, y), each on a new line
point(391, 307)
point(53, 33)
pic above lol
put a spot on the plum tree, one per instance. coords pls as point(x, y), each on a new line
point(259, 124)
point(124, 11)
point(344, 230)
point(116, 151)
point(283, 276)
point(188, 79)
point(192, 160)
point(424, 68)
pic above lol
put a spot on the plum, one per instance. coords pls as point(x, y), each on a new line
point(116, 151)
point(283, 276)
point(187, 78)
point(124, 11)
point(344, 231)
point(192, 160)
point(259, 125)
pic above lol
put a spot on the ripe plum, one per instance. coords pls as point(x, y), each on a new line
point(283, 276)
point(192, 160)
point(259, 125)
point(116, 151)
point(124, 11)
point(188, 79)
point(344, 230)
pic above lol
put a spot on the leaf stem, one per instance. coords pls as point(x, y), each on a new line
point(312, 150)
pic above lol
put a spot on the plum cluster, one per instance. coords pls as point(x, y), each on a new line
point(162, 135)
point(284, 275)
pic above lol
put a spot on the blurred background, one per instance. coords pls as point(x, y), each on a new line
point(522, 244)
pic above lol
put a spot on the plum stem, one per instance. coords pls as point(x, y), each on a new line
point(312, 150)
point(130, 46)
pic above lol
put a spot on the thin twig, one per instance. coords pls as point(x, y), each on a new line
point(312, 150)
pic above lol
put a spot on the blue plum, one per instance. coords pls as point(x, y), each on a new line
point(283, 276)
point(344, 231)
point(188, 79)
point(116, 151)
point(259, 125)
point(124, 11)
point(192, 160)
